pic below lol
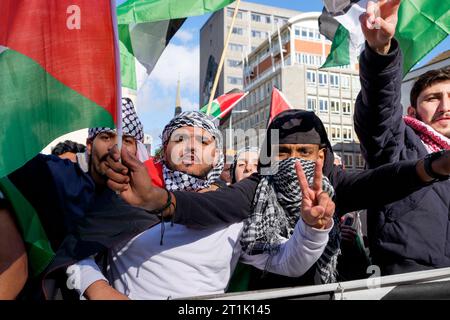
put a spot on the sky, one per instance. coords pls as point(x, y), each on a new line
point(156, 99)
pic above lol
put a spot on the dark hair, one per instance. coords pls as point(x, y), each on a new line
point(68, 146)
point(426, 80)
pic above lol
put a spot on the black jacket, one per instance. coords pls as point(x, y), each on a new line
point(412, 233)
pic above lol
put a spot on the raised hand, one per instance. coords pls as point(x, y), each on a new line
point(379, 30)
point(317, 207)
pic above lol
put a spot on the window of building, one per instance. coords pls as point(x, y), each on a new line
point(335, 133)
point(256, 17)
point(323, 79)
point(311, 77)
point(346, 107)
point(335, 106)
point(268, 19)
point(334, 80)
point(235, 80)
point(345, 81)
point(311, 104)
point(230, 13)
point(304, 33)
point(347, 133)
point(297, 31)
point(348, 160)
point(234, 63)
point(257, 34)
point(236, 47)
point(359, 161)
point(355, 83)
point(323, 105)
point(238, 31)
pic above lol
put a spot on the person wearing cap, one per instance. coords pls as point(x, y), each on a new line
point(176, 261)
point(301, 135)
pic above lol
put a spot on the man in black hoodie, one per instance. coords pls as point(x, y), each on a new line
point(301, 135)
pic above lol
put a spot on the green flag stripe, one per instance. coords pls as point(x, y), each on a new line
point(39, 250)
point(340, 49)
point(36, 108)
point(137, 11)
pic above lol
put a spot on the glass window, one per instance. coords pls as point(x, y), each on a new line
point(346, 107)
point(335, 133)
point(359, 161)
point(268, 19)
point(345, 81)
point(297, 32)
point(323, 105)
point(257, 34)
point(235, 80)
point(334, 80)
point(236, 47)
point(347, 134)
point(311, 77)
point(230, 13)
point(323, 79)
point(312, 104)
point(348, 160)
point(238, 31)
point(256, 17)
point(334, 104)
point(234, 63)
point(304, 33)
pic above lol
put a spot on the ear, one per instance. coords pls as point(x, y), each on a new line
point(89, 146)
point(321, 154)
point(411, 112)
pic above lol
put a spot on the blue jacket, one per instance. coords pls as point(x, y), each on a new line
point(413, 233)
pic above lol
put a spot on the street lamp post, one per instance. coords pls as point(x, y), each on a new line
point(230, 127)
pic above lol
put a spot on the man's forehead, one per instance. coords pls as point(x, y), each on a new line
point(436, 87)
point(296, 145)
point(193, 131)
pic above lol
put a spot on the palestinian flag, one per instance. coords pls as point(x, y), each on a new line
point(421, 26)
point(278, 104)
point(222, 105)
point(145, 29)
point(58, 73)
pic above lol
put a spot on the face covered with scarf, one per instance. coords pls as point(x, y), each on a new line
point(101, 140)
point(278, 200)
point(192, 152)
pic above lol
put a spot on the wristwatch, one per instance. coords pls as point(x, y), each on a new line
point(428, 161)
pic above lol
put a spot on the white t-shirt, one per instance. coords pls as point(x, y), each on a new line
point(195, 262)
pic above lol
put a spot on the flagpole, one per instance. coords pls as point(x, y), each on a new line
point(222, 59)
point(118, 76)
point(281, 45)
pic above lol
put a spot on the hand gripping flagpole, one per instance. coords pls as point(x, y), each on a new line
point(118, 77)
point(222, 59)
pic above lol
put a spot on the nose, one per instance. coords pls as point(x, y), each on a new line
point(444, 105)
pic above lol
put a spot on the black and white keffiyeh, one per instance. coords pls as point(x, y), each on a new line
point(276, 210)
point(131, 125)
point(177, 180)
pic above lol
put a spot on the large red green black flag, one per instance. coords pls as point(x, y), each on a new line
point(58, 73)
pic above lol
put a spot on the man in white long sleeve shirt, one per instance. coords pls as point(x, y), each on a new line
point(192, 262)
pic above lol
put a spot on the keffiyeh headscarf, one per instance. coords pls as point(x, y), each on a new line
point(236, 158)
point(277, 202)
point(131, 126)
point(432, 140)
point(177, 180)
point(277, 207)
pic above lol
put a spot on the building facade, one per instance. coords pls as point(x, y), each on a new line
point(254, 23)
point(295, 70)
